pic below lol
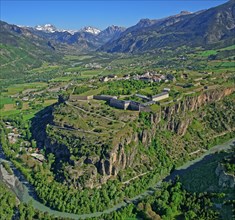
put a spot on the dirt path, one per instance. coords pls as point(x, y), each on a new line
point(14, 61)
point(109, 119)
point(222, 134)
point(74, 129)
point(142, 174)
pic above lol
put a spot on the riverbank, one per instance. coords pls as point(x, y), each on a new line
point(27, 194)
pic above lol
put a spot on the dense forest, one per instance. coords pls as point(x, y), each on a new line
point(172, 201)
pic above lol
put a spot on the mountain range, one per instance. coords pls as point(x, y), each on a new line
point(49, 28)
point(207, 28)
point(86, 39)
point(21, 46)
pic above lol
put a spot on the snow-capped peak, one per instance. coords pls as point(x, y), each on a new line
point(91, 30)
point(47, 28)
point(69, 31)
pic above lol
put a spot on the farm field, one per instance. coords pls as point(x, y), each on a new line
point(19, 88)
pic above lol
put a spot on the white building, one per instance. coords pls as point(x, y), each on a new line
point(161, 96)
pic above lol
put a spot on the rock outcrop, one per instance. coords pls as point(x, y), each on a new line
point(176, 120)
point(11, 181)
point(123, 151)
point(225, 179)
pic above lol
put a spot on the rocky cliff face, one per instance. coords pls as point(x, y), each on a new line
point(126, 148)
point(176, 119)
point(189, 104)
point(225, 179)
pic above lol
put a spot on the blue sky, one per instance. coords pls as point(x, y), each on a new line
point(76, 14)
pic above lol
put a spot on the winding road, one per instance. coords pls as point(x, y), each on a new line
point(28, 194)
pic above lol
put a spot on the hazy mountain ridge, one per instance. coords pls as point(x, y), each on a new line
point(212, 26)
point(111, 33)
point(146, 23)
point(85, 39)
point(19, 46)
point(215, 26)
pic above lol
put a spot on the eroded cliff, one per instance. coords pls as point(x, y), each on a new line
point(128, 148)
point(175, 118)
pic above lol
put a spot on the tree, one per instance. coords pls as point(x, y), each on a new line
point(51, 159)
point(190, 215)
point(34, 143)
point(19, 104)
point(30, 211)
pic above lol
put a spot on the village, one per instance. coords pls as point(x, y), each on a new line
point(185, 81)
point(149, 76)
point(14, 136)
point(141, 102)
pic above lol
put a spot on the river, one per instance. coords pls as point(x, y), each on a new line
point(25, 192)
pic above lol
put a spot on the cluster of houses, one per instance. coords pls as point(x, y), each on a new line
point(151, 77)
point(113, 101)
point(13, 135)
point(108, 78)
point(148, 77)
point(93, 66)
point(32, 95)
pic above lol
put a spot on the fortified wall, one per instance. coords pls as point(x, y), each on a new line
point(122, 104)
point(111, 100)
